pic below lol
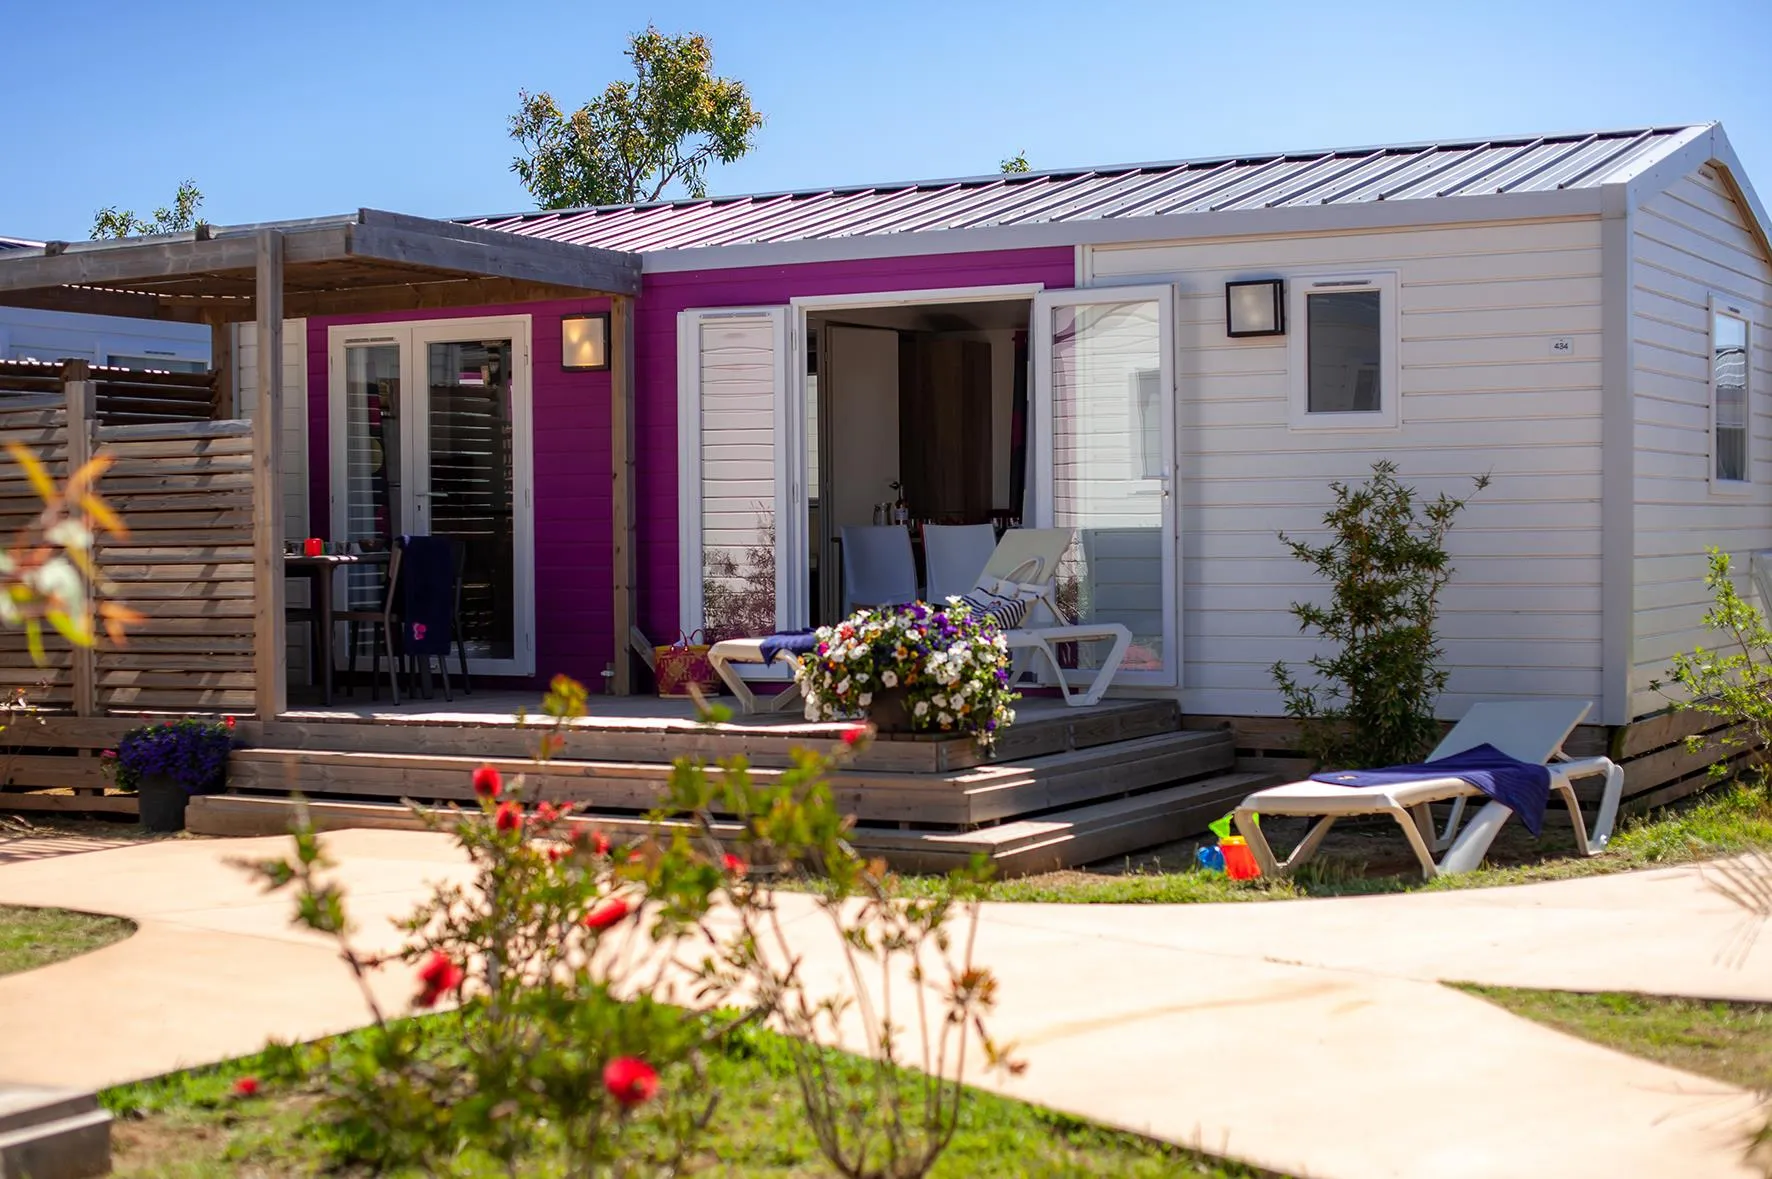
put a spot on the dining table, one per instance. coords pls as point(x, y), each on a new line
point(319, 568)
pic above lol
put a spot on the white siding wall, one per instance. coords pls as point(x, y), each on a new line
point(1691, 242)
point(295, 450)
point(1481, 392)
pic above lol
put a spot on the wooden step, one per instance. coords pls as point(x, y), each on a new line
point(955, 798)
point(1066, 838)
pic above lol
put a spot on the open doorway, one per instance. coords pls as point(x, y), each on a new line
point(914, 411)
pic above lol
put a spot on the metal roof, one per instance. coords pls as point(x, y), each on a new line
point(1344, 176)
point(17, 243)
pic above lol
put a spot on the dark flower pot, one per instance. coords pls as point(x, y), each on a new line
point(162, 801)
point(890, 711)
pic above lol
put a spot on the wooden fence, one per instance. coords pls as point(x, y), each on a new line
point(184, 489)
point(121, 396)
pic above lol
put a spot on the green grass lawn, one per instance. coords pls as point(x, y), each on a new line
point(1370, 856)
point(36, 937)
point(190, 1124)
point(1729, 1041)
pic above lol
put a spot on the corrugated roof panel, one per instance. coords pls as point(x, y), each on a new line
point(1418, 171)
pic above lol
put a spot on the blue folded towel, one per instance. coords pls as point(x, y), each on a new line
point(427, 594)
point(1521, 786)
point(791, 642)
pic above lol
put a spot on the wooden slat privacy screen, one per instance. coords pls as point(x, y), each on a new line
point(40, 423)
point(185, 491)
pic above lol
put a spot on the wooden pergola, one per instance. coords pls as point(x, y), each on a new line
point(366, 262)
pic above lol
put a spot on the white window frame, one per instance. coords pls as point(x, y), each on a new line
point(1719, 308)
point(1300, 286)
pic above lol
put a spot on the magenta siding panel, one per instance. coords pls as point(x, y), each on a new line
point(572, 458)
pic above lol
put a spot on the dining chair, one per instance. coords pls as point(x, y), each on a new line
point(879, 568)
point(954, 555)
point(430, 598)
point(382, 619)
point(460, 550)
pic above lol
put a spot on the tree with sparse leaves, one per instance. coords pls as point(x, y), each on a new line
point(1015, 164)
point(637, 138)
point(111, 221)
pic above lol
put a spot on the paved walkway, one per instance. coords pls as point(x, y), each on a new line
point(1311, 1037)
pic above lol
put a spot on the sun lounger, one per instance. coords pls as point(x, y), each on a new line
point(1531, 731)
point(723, 655)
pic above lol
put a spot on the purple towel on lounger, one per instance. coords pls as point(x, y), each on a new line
point(1521, 786)
point(790, 642)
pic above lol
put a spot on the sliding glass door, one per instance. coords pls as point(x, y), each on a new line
point(430, 432)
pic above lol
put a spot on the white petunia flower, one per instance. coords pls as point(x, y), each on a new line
point(865, 699)
point(890, 679)
point(922, 708)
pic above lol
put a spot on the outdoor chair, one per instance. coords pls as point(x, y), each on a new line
point(878, 567)
point(1527, 730)
point(954, 556)
point(383, 622)
point(430, 594)
point(1019, 589)
point(459, 551)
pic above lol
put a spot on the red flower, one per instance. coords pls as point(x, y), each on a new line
point(595, 840)
point(733, 864)
point(229, 722)
point(554, 855)
point(546, 812)
point(630, 1080)
point(487, 783)
point(606, 914)
point(246, 1087)
point(509, 817)
point(854, 733)
point(437, 977)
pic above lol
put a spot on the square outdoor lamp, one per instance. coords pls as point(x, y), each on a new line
point(1255, 308)
point(584, 342)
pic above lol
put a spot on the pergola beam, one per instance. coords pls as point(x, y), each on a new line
point(590, 267)
point(98, 301)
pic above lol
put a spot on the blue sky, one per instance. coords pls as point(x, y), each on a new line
point(292, 110)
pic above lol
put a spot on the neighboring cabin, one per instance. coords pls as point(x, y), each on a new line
point(50, 336)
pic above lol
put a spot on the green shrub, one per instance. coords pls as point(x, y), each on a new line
point(1372, 702)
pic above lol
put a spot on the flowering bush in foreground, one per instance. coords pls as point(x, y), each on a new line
point(948, 664)
point(575, 959)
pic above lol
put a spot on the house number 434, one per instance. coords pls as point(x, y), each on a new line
point(1563, 346)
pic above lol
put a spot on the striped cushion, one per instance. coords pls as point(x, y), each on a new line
point(1007, 613)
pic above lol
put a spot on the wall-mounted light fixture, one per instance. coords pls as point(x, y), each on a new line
point(1256, 307)
point(584, 342)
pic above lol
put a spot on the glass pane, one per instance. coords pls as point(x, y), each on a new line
point(737, 359)
point(1343, 342)
point(1106, 361)
point(472, 487)
point(372, 461)
point(1729, 366)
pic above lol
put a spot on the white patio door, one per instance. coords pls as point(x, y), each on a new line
point(431, 435)
point(1104, 464)
point(742, 491)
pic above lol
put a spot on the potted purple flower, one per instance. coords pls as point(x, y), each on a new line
point(166, 763)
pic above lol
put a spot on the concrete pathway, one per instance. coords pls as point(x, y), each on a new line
point(1311, 1037)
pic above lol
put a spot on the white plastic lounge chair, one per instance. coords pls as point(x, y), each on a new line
point(1530, 730)
point(878, 566)
point(954, 557)
point(1024, 568)
point(722, 656)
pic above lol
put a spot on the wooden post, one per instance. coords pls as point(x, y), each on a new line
point(221, 362)
point(267, 482)
point(621, 448)
point(79, 392)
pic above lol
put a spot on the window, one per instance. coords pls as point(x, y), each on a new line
point(1343, 350)
point(1147, 418)
point(1729, 404)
